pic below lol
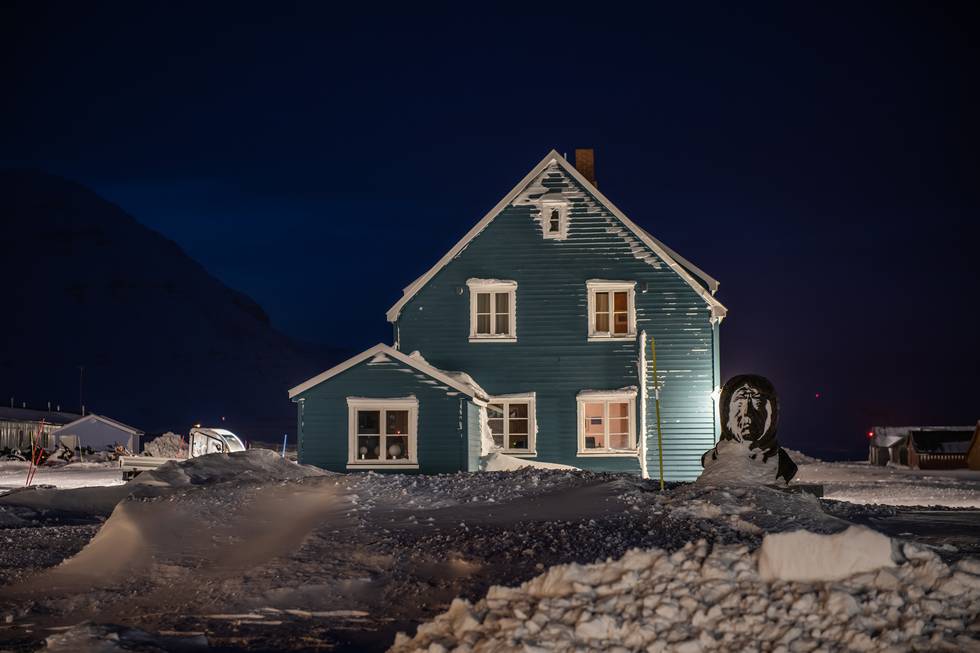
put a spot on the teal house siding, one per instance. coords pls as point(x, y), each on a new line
point(552, 356)
point(676, 335)
point(445, 440)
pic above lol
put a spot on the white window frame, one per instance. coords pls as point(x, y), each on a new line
point(606, 397)
point(532, 421)
point(546, 206)
point(411, 404)
point(596, 286)
point(494, 287)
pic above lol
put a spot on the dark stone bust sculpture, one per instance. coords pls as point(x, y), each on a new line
point(749, 417)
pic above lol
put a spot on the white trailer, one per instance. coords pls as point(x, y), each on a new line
point(203, 441)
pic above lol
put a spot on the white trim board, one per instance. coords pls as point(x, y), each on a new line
point(718, 311)
point(382, 348)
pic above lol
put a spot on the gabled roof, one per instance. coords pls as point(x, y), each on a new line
point(92, 417)
point(682, 267)
point(31, 415)
point(456, 380)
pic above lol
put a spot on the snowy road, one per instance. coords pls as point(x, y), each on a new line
point(14, 474)
point(870, 484)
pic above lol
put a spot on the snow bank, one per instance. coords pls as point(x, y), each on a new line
point(738, 464)
point(168, 445)
point(702, 598)
point(801, 458)
point(498, 462)
point(260, 465)
point(806, 556)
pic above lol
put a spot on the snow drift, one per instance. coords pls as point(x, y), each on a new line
point(258, 465)
point(703, 598)
point(499, 462)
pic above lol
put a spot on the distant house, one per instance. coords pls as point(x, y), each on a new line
point(98, 433)
point(18, 425)
point(973, 453)
point(932, 448)
point(546, 309)
point(920, 447)
point(889, 444)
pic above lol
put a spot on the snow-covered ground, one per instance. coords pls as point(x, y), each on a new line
point(248, 551)
point(895, 486)
point(718, 598)
point(13, 474)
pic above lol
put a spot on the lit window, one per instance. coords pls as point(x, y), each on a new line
point(606, 423)
point(612, 310)
point(493, 310)
point(511, 422)
point(382, 432)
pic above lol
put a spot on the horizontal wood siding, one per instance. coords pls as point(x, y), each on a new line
point(442, 424)
point(552, 356)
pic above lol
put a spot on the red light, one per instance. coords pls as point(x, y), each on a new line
point(816, 396)
point(871, 434)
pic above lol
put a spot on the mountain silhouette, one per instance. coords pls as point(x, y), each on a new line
point(163, 343)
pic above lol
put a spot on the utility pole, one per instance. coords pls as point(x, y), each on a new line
point(81, 403)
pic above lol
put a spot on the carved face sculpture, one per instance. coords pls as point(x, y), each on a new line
point(749, 410)
point(748, 413)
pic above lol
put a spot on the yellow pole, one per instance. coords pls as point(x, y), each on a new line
point(656, 395)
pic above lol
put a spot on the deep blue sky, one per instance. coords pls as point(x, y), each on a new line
point(820, 161)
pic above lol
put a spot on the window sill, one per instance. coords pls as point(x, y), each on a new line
point(607, 454)
point(492, 339)
point(374, 465)
point(520, 453)
point(626, 338)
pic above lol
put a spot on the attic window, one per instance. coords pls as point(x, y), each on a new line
point(554, 218)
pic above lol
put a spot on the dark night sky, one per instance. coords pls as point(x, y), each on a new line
point(820, 161)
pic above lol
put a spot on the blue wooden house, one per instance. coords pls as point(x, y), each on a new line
point(532, 337)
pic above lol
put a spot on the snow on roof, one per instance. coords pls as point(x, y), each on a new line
point(942, 441)
point(461, 377)
point(100, 418)
point(889, 436)
point(31, 415)
point(457, 380)
point(683, 268)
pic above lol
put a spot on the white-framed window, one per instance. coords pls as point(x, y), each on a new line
point(493, 310)
point(511, 419)
point(554, 218)
point(607, 423)
point(612, 310)
point(382, 432)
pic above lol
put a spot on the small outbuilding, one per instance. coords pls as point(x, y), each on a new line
point(973, 453)
point(931, 448)
point(920, 447)
point(888, 445)
point(98, 433)
point(19, 425)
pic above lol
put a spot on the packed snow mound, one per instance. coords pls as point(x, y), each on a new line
point(168, 445)
point(701, 598)
point(499, 462)
point(738, 464)
point(259, 465)
point(802, 555)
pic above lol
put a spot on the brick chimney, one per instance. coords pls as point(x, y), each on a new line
point(585, 164)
